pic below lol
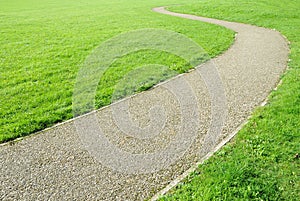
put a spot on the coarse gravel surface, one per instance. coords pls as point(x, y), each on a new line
point(55, 165)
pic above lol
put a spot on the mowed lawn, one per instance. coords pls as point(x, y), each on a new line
point(262, 162)
point(44, 43)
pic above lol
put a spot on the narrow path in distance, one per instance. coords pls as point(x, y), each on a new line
point(54, 165)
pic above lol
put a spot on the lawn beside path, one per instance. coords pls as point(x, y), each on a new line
point(44, 45)
point(262, 161)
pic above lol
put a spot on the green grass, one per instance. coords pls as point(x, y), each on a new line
point(44, 43)
point(262, 162)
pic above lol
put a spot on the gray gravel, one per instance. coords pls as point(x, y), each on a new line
point(54, 164)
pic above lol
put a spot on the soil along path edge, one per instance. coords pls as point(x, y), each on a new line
point(56, 164)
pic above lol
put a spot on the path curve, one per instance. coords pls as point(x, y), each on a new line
point(53, 165)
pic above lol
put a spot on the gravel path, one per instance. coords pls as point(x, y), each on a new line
point(54, 165)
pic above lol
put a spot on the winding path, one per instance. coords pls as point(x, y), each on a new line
point(54, 165)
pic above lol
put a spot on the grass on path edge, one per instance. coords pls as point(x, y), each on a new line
point(41, 54)
point(262, 161)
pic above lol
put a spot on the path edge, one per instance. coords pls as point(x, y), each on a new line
point(231, 136)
